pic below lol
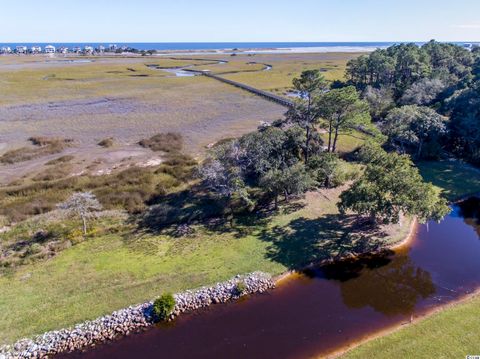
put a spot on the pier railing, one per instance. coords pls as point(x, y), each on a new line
point(265, 94)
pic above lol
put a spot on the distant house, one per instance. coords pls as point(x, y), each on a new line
point(77, 49)
point(63, 50)
point(21, 49)
point(5, 50)
point(49, 49)
point(35, 49)
point(88, 50)
point(101, 48)
point(112, 47)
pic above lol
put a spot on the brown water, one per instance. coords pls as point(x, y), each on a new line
point(328, 308)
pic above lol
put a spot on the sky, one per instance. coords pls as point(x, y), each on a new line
point(238, 21)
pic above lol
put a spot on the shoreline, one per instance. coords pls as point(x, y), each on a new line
point(397, 327)
point(219, 52)
point(120, 323)
point(399, 244)
point(414, 320)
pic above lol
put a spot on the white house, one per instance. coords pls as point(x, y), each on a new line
point(77, 49)
point(63, 50)
point(88, 50)
point(35, 49)
point(112, 47)
point(5, 50)
point(21, 49)
point(49, 49)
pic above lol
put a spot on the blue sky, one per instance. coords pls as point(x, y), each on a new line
point(246, 20)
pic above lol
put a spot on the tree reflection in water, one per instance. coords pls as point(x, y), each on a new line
point(470, 211)
point(391, 285)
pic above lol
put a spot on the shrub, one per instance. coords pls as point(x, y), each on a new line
point(240, 288)
point(106, 142)
point(180, 160)
point(163, 306)
point(166, 142)
point(178, 172)
point(130, 200)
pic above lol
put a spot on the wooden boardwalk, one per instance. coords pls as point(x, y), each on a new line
point(265, 94)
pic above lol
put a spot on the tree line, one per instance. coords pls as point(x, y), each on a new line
point(426, 99)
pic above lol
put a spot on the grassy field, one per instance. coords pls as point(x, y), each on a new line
point(347, 142)
point(456, 178)
point(452, 333)
point(120, 263)
point(287, 67)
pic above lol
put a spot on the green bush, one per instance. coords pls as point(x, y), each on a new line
point(163, 306)
point(240, 288)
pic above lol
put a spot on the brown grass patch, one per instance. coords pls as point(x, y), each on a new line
point(63, 159)
point(44, 146)
point(166, 142)
point(58, 172)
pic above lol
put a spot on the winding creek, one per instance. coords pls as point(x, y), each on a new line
point(329, 308)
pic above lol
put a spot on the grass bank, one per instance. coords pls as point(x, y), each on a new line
point(453, 332)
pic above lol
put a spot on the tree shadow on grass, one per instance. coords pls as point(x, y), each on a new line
point(184, 207)
point(195, 206)
point(309, 241)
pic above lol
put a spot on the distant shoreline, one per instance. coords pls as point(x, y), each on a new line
point(226, 48)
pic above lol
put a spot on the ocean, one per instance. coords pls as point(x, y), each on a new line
point(231, 47)
point(184, 46)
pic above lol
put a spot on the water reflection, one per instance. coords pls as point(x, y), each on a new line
point(390, 284)
point(470, 211)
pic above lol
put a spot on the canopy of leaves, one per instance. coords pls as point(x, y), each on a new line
point(392, 186)
point(410, 128)
point(401, 66)
point(465, 123)
point(342, 111)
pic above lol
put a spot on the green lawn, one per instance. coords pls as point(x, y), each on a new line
point(347, 142)
point(452, 333)
point(456, 178)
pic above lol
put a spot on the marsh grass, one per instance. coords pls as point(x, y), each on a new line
point(127, 190)
point(44, 146)
point(59, 160)
point(165, 142)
